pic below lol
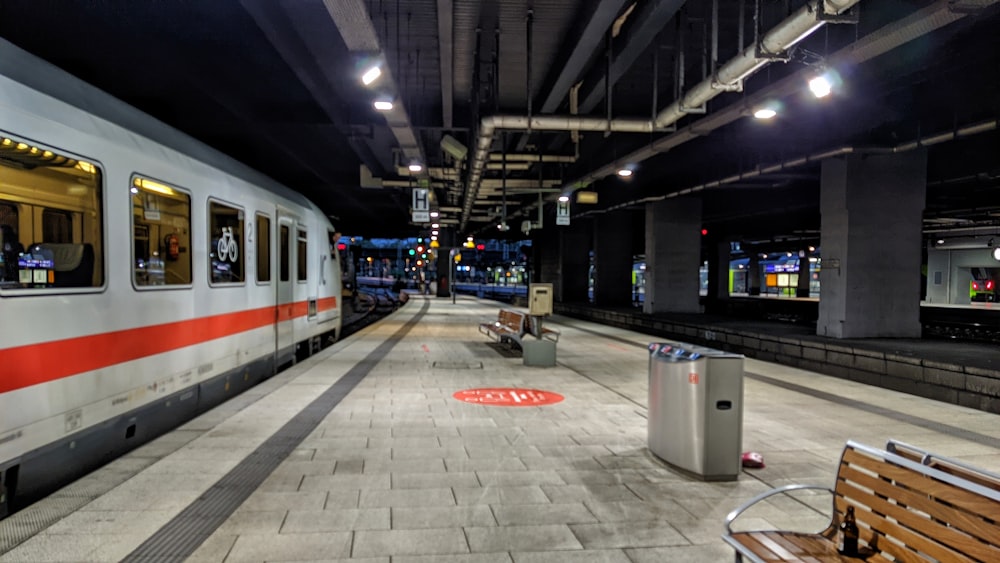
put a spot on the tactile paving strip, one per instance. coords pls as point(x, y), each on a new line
point(180, 537)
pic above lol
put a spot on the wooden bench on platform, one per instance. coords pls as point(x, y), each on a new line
point(509, 327)
point(909, 505)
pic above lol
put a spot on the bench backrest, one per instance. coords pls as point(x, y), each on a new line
point(948, 465)
point(512, 319)
point(913, 511)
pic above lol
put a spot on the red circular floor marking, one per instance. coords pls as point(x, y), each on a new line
point(508, 397)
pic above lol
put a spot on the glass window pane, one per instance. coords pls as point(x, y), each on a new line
point(301, 247)
point(263, 248)
point(225, 225)
point(65, 248)
point(161, 234)
point(284, 250)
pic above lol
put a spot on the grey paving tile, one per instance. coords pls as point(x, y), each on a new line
point(349, 481)
point(270, 547)
point(582, 493)
point(442, 517)
point(557, 463)
point(431, 480)
point(708, 553)
point(523, 538)
point(463, 558)
point(586, 556)
point(633, 511)
point(501, 495)
point(423, 453)
point(212, 550)
point(304, 521)
point(487, 464)
point(253, 522)
point(514, 478)
point(628, 534)
point(527, 514)
point(392, 498)
point(409, 542)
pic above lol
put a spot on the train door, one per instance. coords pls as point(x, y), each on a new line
point(285, 344)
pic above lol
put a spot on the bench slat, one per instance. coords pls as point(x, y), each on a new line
point(957, 519)
point(907, 510)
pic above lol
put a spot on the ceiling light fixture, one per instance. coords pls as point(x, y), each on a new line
point(371, 75)
point(624, 172)
point(435, 214)
point(564, 198)
point(383, 105)
point(820, 86)
point(416, 167)
point(765, 113)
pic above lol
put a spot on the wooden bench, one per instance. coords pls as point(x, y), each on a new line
point(547, 333)
point(509, 326)
point(906, 510)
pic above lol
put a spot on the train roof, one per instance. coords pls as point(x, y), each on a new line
point(37, 74)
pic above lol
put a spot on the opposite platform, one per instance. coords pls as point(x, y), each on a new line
point(362, 453)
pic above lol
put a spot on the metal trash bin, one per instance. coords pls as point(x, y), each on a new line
point(695, 419)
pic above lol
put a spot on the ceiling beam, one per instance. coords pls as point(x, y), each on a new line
point(446, 20)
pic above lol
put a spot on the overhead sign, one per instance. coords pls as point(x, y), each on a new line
point(421, 205)
point(562, 213)
point(586, 197)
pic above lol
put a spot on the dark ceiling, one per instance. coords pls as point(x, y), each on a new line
point(275, 84)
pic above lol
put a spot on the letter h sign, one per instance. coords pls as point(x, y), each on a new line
point(421, 205)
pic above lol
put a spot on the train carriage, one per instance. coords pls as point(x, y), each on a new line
point(145, 277)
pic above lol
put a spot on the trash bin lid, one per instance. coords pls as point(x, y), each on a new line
point(671, 352)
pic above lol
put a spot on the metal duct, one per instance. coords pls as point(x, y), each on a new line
point(872, 45)
point(786, 34)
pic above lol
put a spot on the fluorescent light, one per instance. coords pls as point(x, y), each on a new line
point(435, 214)
point(624, 172)
point(434, 233)
point(435, 225)
point(765, 113)
point(416, 167)
point(370, 75)
point(564, 198)
point(383, 105)
point(820, 86)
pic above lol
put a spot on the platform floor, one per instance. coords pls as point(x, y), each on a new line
point(361, 453)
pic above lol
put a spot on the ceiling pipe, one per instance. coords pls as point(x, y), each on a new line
point(783, 36)
point(930, 140)
point(527, 157)
point(786, 34)
point(879, 42)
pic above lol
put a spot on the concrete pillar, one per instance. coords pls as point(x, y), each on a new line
point(872, 209)
point(613, 260)
point(718, 275)
point(673, 256)
point(546, 256)
point(575, 243)
point(802, 290)
point(446, 241)
point(753, 274)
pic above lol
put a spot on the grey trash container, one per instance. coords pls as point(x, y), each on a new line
point(695, 418)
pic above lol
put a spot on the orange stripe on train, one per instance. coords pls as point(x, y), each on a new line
point(33, 364)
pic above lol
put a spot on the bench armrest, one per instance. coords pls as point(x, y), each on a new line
point(779, 491)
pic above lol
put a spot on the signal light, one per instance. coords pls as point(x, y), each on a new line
point(480, 247)
point(420, 248)
point(341, 246)
point(989, 284)
point(704, 232)
point(412, 252)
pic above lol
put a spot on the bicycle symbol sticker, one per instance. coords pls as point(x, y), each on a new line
point(228, 248)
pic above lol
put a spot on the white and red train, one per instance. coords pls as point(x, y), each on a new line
point(145, 277)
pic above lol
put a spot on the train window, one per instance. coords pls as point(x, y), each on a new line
point(263, 248)
point(57, 226)
point(51, 219)
point(226, 242)
point(302, 256)
point(161, 234)
point(283, 254)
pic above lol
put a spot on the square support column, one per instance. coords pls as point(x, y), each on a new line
point(613, 260)
point(572, 277)
point(673, 256)
point(872, 211)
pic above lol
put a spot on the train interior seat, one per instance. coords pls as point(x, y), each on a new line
point(73, 263)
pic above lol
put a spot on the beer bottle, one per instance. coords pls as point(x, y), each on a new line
point(849, 534)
